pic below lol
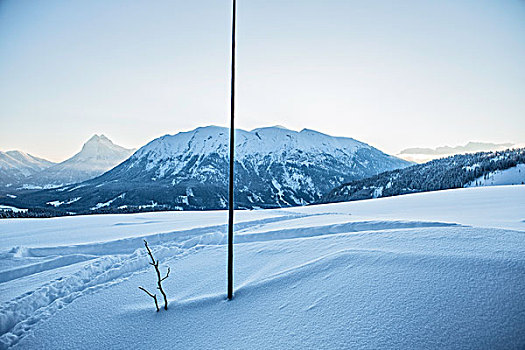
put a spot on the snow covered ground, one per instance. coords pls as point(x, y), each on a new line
point(431, 270)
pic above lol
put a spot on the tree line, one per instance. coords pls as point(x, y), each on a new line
point(439, 174)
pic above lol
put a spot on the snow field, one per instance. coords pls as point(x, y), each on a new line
point(351, 290)
point(393, 272)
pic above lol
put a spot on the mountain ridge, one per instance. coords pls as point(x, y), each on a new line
point(17, 165)
point(275, 167)
point(97, 155)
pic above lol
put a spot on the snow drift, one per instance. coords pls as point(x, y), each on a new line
point(430, 270)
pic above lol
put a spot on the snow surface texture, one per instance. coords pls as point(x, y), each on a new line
point(431, 270)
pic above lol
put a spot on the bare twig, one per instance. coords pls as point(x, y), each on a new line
point(155, 264)
point(167, 274)
point(154, 296)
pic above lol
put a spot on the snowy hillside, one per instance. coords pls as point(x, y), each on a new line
point(510, 176)
point(275, 167)
point(15, 166)
point(463, 170)
point(437, 270)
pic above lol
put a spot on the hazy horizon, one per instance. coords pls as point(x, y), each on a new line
point(413, 154)
point(396, 76)
point(401, 154)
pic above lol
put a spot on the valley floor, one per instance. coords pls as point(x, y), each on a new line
point(432, 270)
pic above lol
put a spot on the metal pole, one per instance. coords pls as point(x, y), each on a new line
point(232, 152)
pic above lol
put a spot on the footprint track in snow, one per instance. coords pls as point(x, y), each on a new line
point(115, 261)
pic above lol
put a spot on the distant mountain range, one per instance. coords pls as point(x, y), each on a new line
point(275, 167)
point(423, 155)
point(98, 155)
point(466, 170)
point(16, 166)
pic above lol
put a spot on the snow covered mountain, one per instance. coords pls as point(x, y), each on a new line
point(97, 156)
point(275, 167)
point(15, 166)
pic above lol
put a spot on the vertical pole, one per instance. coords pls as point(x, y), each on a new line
point(232, 153)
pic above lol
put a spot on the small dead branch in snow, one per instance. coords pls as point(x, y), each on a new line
point(154, 296)
point(155, 264)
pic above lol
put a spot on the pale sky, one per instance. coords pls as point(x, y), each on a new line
point(394, 74)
